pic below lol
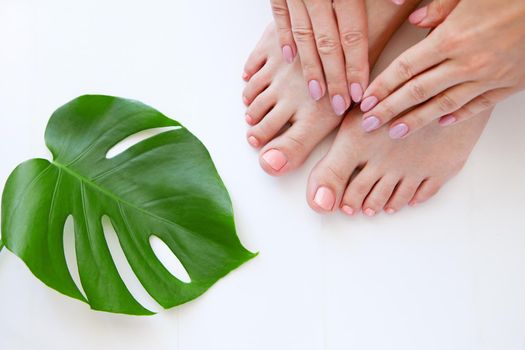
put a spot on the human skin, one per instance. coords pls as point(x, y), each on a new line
point(471, 61)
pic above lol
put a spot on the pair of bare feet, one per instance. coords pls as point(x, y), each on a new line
point(361, 172)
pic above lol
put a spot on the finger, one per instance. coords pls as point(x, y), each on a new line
point(443, 104)
point(353, 32)
point(415, 60)
point(476, 106)
point(433, 14)
point(330, 51)
point(284, 29)
point(305, 41)
point(416, 91)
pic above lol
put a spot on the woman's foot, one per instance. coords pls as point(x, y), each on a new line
point(286, 123)
point(371, 172)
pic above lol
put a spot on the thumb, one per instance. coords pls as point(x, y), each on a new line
point(433, 14)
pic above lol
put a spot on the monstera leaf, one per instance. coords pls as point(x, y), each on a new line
point(165, 186)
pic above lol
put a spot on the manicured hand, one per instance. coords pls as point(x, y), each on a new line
point(472, 60)
point(332, 40)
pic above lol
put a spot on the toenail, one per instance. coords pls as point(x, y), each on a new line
point(245, 76)
point(324, 198)
point(390, 211)
point(315, 90)
point(252, 140)
point(339, 105)
point(245, 100)
point(370, 124)
point(447, 120)
point(249, 119)
point(398, 131)
point(370, 212)
point(348, 210)
point(356, 91)
point(369, 103)
point(275, 159)
point(288, 53)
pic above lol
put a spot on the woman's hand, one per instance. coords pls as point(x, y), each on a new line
point(471, 61)
point(331, 38)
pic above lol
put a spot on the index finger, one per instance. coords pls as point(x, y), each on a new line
point(281, 14)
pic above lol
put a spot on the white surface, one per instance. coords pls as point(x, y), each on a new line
point(447, 275)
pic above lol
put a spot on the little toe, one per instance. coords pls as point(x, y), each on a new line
point(269, 126)
point(380, 194)
point(294, 145)
point(358, 189)
point(262, 104)
point(428, 189)
point(257, 84)
point(402, 195)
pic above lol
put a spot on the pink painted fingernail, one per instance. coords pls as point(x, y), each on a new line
point(315, 90)
point(324, 198)
point(390, 211)
point(369, 103)
point(418, 15)
point(369, 212)
point(288, 53)
point(249, 119)
point(370, 124)
point(399, 131)
point(348, 210)
point(275, 159)
point(356, 91)
point(252, 140)
point(447, 120)
point(339, 105)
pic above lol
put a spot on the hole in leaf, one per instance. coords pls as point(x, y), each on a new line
point(124, 269)
point(132, 140)
point(169, 259)
point(70, 252)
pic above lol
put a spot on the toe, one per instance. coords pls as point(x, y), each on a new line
point(269, 126)
point(255, 61)
point(429, 188)
point(380, 194)
point(257, 84)
point(295, 144)
point(402, 195)
point(358, 189)
point(262, 104)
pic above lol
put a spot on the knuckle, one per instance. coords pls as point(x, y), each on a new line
point(280, 9)
point(446, 104)
point(417, 91)
point(303, 34)
point(327, 45)
point(309, 69)
point(352, 38)
point(404, 69)
point(387, 110)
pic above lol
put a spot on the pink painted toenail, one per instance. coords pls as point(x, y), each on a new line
point(356, 91)
point(369, 103)
point(253, 141)
point(369, 212)
point(245, 100)
point(249, 119)
point(324, 198)
point(245, 76)
point(348, 210)
point(339, 105)
point(398, 131)
point(418, 15)
point(370, 124)
point(390, 211)
point(275, 159)
point(447, 120)
point(315, 90)
point(288, 53)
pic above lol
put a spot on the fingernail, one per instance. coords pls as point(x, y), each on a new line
point(249, 119)
point(370, 124)
point(399, 131)
point(390, 211)
point(369, 212)
point(398, 2)
point(288, 53)
point(275, 159)
point(324, 198)
point(369, 103)
point(348, 210)
point(252, 140)
point(356, 91)
point(245, 76)
point(418, 15)
point(339, 105)
point(447, 120)
point(315, 90)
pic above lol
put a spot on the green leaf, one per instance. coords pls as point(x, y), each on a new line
point(166, 186)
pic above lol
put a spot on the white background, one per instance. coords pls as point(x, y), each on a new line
point(449, 274)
